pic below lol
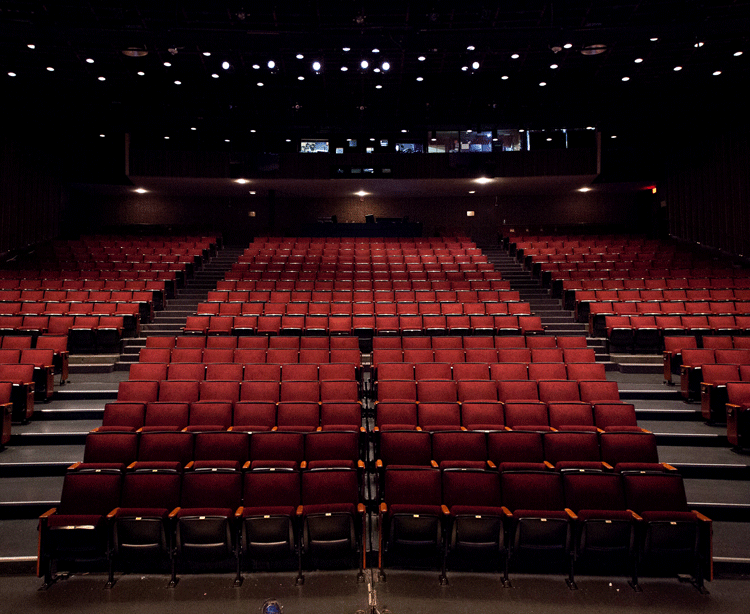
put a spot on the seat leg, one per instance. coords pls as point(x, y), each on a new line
point(570, 581)
point(111, 575)
point(443, 566)
point(506, 580)
point(634, 580)
point(174, 579)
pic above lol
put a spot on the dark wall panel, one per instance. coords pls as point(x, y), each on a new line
point(708, 193)
point(31, 198)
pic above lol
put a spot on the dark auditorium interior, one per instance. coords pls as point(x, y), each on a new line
point(375, 307)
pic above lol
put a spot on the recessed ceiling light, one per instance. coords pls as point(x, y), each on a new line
point(404, 131)
point(549, 138)
point(49, 68)
point(141, 73)
point(376, 50)
point(421, 58)
point(226, 140)
point(256, 66)
point(344, 69)
point(654, 39)
point(300, 56)
point(259, 84)
point(542, 84)
point(494, 138)
point(207, 54)
point(89, 60)
point(470, 48)
point(316, 66)
point(716, 73)
point(472, 191)
point(300, 78)
point(464, 68)
point(215, 76)
point(638, 60)
point(289, 140)
point(193, 128)
point(361, 193)
point(483, 180)
point(567, 45)
point(677, 68)
point(166, 138)
point(737, 54)
point(30, 46)
point(553, 66)
point(11, 74)
point(375, 70)
point(102, 136)
point(626, 78)
point(253, 131)
point(584, 189)
point(167, 64)
point(475, 65)
point(378, 87)
point(271, 64)
point(364, 64)
point(420, 78)
point(699, 45)
point(178, 82)
point(141, 190)
point(614, 136)
point(251, 192)
point(504, 77)
point(226, 65)
point(346, 49)
point(590, 128)
point(386, 66)
point(515, 56)
point(101, 78)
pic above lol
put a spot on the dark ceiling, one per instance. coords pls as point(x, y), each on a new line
point(95, 87)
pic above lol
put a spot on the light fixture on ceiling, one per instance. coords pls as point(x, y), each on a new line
point(271, 65)
point(346, 48)
point(344, 69)
point(364, 64)
point(421, 58)
point(215, 76)
point(677, 68)
point(737, 54)
point(584, 189)
point(597, 49)
point(475, 65)
point(567, 46)
point(638, 60)
point(464, 68)
point(141, 73)
point(101, 78)
point(300, 78)
point(420, 79)
point(317, 67)
point(504, 77)
point(376, 50)
point(89, 61)
point(31, 46)
point(470, 48)
point(386, 66)
point(483, 180)
point(207, 54)
point(300, 56)
point(167, 64)
point(626, 78)
point(135, 52)
point(542, 84)
point(361, 193)
point(241, 181)
point(141, 190)
point(12, 74)
point(50, 69)
point(716, 73)
point(226, 65)
point(378, 87)
point(515, 56)
point(553, 66)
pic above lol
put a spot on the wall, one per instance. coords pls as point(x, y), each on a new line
point(32, 198)
point(441, 215)
point(708, 192)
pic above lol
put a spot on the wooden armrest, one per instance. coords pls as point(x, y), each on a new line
point(571, 513)
point(701, 517)
point(491, 465)
point(174, 512)
point(238, 513)
point(246, 466)
point(362, 429)
point(607, 466)
point(378, 464)
point(598, 430)
point(275, 428)
point(320, 428)
point(636, 516)
point(361, 508)
point(506, 511)
point(383, 508)
point(360, 464)
point(668, 467)
point(113, 513)
point(190, 465)
point(74, 466)
point(433, 464)
point(445, 510)
point(463, 428)
point(303, 465)
point(376, 429)
point(48, 513)
point(419, 428)
point(548, 465)
point(299, 510)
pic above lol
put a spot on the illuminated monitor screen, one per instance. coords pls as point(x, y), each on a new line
point(409, 148)
point(313, 146)
point(476, 142)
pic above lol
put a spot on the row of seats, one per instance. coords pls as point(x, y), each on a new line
point(205, 450)
point(662, 326)
point(488, 355)
point(346, 324)
point(379, 297)
point(272, 355)
point(520, 517)
point(250, 416)
point(84, 333)
point(190, 391)
point(693, 359)
point(673, 346)
point(228, 370)
point(195, 341)
point(319, 285)
point(493, 415)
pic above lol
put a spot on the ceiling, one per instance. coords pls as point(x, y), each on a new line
point(95, 87)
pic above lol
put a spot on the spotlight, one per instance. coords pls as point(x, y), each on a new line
point(316, 66)
point(226, 65)
point(421, 58)
point(386, 66)
point(271, 64)
point(364, 64)
point(475, 65)
point(300, 56)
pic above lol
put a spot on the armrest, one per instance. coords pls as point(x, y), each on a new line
point(378, 464)
point(360, 464)
point(299, 510)
point(48, 513)
point(506, 511)
point(74, 466)
point(238, 513)
point(668, 467)
point(361, 508)
point(190, 465)
point(246, 466)
point(571, 513)
point(445, 510)
point(548, 465)
point(433, 464)
point(607, 466)
point(701, 517)
point(303, 465)
point(113, 513)
point(174, 512)
point(636, 516)
point(383, 508)
point(491, 465)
